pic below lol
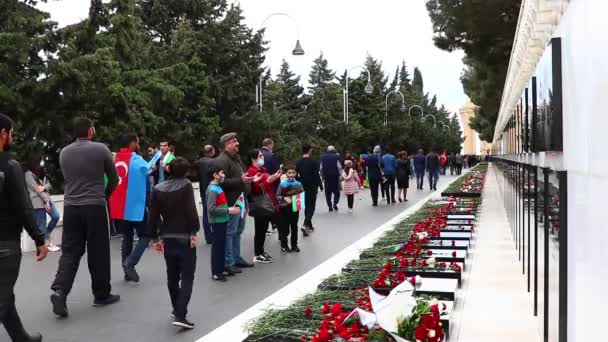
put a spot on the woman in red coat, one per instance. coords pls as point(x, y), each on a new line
point(262, 185)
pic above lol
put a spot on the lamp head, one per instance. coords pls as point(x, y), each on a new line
point(369, 88)
point(298, 51)
point(403, 107)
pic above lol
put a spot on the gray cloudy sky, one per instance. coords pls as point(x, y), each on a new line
point(345, 31)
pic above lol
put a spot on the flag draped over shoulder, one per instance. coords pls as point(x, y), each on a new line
point(154, 159)
point(297, 202)
point(128, 201)
point(242, 203)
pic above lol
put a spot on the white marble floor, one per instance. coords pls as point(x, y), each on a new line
point(494, 303)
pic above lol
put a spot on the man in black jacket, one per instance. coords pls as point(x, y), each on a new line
point(203, 177)
point(331, 170)
point(308, 175)
point(16, 213)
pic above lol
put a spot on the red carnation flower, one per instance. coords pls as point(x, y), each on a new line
point(429, 252)
point(421, 333)
point(336, 309)
point(325, 309)
point(453, 254)
point(453, 243)
point(308, 312)
point(428, 321)
point(434, 309)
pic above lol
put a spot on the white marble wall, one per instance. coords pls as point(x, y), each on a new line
point(584, 29)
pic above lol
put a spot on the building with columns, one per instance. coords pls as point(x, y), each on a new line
point(471, 144)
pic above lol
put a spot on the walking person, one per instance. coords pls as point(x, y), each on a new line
point(352, 183)
point(403, 176)
point(235, 184)
point(85, 221)
point(287, 193)
point(263, 205)
point(38, 187)
point(373, 165)
point(16, 214)
point(272, 165)
point(452, 163)
point(128, 203)
point(219, 215)
point(159, 170)
point(330, 172)
point(443, 162)
point(203, 182)
point(459, 159)
point(433, 166)
point(173, 224)
point(389, 169)
point(308, 174)
point(419, 167)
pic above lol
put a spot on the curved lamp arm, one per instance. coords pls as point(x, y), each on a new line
point(434, 119)
point(297, 51)
point(409, 112)
point(386, 104)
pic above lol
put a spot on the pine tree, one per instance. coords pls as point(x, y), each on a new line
point(404, 78)
point(320, 76)
point(417, 82)
point(395, 82)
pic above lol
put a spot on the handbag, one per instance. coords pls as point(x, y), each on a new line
point(261, 205)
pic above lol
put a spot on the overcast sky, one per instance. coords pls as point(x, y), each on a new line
point(345, 31)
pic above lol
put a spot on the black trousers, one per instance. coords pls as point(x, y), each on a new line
point(332, 187)
point(181, 263)
point(259, 237)
point(373, 186)
point(458, 169)
point(289, 225)
point(85, 227)
point(389, 188)
point(218, 248)
point(310, 202)
point(128, 229)
point(351, 200)
point(10, 262)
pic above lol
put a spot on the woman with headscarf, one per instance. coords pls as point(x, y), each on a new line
point(403, 175)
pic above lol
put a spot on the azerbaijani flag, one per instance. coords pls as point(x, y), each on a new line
point(128, 201)
point(154, 159)
point(242, 203)
point(297, 202)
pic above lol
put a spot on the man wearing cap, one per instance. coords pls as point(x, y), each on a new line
point(236, 183)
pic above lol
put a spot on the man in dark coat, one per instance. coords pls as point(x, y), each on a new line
point(203, 167)
point(330, 172)
point(373, 164)
point(419, 167)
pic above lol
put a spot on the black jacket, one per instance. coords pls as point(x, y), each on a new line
point(234, 169)
point(203, 177)
point(308, 172)
point(173, 210)
point(16, 212)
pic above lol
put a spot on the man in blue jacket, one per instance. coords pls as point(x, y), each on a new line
point(433, 167)
point(419, 167)
point(330, 172)
point(373, 164)
point(389, 167)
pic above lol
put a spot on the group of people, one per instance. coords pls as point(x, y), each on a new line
point(152, 201)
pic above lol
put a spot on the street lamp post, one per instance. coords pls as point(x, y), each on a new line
point(297, 51)
point(445, 126)
point(403, 107)
point(409, 112)
point(368, 89)
point(434, 119)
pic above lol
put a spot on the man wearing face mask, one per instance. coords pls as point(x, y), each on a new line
point(16, 213)
point(85, 218)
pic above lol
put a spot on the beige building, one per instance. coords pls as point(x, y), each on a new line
point(471, 144)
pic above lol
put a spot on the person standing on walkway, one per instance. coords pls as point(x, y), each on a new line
point(330, 172)
point(272, 165)
point(389, 168)
point(308, 174)
point(128, 203)
point(290, 211)
point(352, 183)
point(264, 205)
point(219, 215)
point(85, 217)
point(235, 184)
point(174, 224)
point(420, 166)
point(459, 159)
point(443, 161)
point(433, 166)
point(38, 187)
point(374, 173)
point(16, 213)
point(452, 163)
point(160, 168)
point(403, 175)
point(203, 182)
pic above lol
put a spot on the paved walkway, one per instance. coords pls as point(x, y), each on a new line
point(496, 305)
point(143, 313)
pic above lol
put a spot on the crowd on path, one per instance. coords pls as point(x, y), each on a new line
point(152, 201)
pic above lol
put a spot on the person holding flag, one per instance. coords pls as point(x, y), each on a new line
point(290, 196)
point(128, 202)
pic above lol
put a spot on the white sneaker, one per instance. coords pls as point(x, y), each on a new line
point(53, 248)
point(260, 259)
point(350, 210)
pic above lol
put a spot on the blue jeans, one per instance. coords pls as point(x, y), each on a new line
point(234, 230)
point(419, 179)
point(433, 178)
point(206, 226)
point(130, 255)
point(41, 220)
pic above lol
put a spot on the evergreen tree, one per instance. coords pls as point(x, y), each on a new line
point(320, 76)
point(417, 82)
